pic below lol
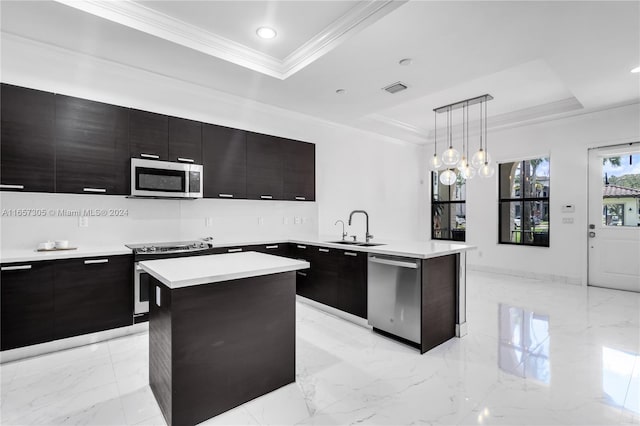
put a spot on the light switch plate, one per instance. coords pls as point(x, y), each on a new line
point(568, 208)
point(208, 221)
point(567, 220)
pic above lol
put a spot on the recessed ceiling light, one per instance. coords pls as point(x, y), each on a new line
point(266, 32)
point(405, 62)
point(340, 91)
point(636, 70)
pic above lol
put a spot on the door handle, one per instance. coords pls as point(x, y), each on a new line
point(592, 234)
point(391, 262)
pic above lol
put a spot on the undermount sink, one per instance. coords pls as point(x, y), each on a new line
point(356, 243)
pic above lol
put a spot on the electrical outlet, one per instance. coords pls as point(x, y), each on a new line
point(296, 220)
point(208, 222)
point(304, 220)
point(83, 222)
point(260, 220)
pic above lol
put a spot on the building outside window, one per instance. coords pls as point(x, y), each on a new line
point(448, 209)
point(524, 202)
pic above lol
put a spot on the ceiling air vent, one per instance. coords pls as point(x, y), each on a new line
point(395, 87)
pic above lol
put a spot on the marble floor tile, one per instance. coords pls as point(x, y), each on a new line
point(536, 352)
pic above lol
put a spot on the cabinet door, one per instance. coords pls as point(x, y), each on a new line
point(324, 280)
point(352, 282)
point(27, 151)
point(299, 170)
point(27, 304)
point(91, 147)
point(224, 152)
point(264, 167)
point(93, 294)
point(303, 277)
point(148, 135)
point(185, 140)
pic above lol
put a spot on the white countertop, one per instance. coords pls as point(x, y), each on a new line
point(195, 270)
point(414, 249)
point(31, 255)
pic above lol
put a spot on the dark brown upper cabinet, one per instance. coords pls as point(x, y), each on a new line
point(224, 152)
point(264, 167)
point(148, 135)
point(185, 140)
point(299, 174)
point(27, 151)
point(92, 154)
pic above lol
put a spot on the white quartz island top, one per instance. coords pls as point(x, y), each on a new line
point(196, 270)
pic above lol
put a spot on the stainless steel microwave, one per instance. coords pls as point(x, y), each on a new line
point(164, 179)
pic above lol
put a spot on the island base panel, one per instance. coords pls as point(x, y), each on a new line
point(225, 343)
point(439, 294)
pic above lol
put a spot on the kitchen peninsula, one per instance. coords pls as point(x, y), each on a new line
point(221, 331)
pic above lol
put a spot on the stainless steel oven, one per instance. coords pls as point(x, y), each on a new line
point(140, 291)
point(165, 179)
point(154, 251)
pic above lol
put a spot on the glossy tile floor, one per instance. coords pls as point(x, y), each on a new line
point(536, 353)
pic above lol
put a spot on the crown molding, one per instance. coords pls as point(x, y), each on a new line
point(145, 19)
point(544, 112)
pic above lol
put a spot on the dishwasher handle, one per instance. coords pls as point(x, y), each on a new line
point(401, 264)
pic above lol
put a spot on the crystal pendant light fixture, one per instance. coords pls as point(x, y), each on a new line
point(451, 156)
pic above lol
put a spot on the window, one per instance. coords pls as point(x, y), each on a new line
point(621, 190)
point(448, 209)
point(524, 202)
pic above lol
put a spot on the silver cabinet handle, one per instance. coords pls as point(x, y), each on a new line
point(266, 197)
point(16, 268)
point(7, 186)
point(323, 250)
point(410, 265)
point(186, 160)
point(302, 274)
point(94, 190)
point(234, 250)
point(225, 195)
point(301, 198)
point(95, 261)
point(272, 247)
point(301, 247)
point(155, 157)
point(158, 296)
point(349, 253)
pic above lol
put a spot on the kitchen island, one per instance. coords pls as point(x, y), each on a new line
point(221, 331)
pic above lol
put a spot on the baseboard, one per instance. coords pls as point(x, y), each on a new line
point(526, 274)
point(71, 342)
point(335, 312)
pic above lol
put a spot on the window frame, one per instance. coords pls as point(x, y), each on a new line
point(434, 202)
point(522, 200)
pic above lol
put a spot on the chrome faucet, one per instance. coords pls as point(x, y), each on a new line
point(367, 235)
point(344, 234)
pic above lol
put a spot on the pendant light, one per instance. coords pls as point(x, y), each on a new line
point(486, 170)
point(466, 171)
point(435, 163)
point(451, 156)
point(482, 156)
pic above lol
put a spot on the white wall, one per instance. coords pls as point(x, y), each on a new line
point(566, 142)
point(354, 169)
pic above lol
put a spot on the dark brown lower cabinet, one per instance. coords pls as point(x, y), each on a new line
point(27, 304)
point(337, 278)
point(92, 294)
point(215, 346)
point(352, 282)
point(439, 283)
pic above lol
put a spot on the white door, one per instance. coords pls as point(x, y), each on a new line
point(614, 217)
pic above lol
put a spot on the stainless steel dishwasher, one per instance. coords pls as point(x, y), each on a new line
point(394, 295)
